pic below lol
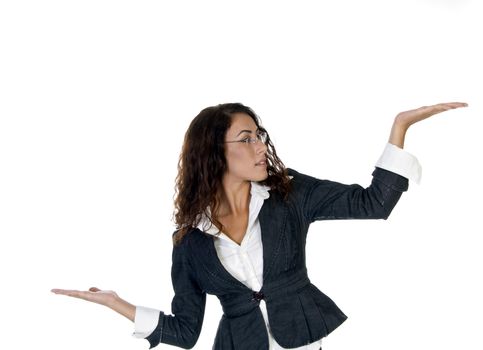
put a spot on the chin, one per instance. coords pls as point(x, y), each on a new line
point(261, 177)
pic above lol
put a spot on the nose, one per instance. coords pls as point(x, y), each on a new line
point(261, 147)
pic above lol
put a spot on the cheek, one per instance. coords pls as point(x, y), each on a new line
point(239, 159)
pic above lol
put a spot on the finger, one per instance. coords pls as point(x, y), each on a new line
point(72, 293)
point(459, 104)
point(69, 292)
point(454, 104)
point(430, 110)
point(441, 107)
point(462, 104)
point(66, 291)
point(60, 291)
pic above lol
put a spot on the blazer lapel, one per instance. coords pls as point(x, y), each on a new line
point(203, 246)
point(273, 217)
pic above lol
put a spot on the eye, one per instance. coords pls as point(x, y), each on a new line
point(262, 136)
point(246, 140)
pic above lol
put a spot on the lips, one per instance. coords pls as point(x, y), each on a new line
point(262, 162)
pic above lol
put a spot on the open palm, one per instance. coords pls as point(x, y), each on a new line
point(95, 295)
point(412, 116)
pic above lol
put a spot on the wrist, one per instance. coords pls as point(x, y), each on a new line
point(398, 132)
point(114, 302)
point(401, 123)
point(122, 307)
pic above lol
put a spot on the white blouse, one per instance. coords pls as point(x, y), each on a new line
point(245, 261)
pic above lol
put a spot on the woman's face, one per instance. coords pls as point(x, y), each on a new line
point(243, 159)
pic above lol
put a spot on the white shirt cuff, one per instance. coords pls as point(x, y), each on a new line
point(398, 161)
point(145, 321)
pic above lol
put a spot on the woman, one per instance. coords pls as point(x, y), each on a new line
point(242, 220)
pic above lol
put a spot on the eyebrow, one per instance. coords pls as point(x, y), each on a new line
point(248, 131)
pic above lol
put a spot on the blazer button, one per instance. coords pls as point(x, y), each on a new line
point(257, 296)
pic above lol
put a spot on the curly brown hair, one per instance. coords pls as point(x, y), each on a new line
point(202, 164)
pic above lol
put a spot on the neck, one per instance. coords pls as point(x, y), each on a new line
point(234, 197)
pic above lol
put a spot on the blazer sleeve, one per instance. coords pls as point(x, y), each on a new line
point(183, 327)
point(329, 200)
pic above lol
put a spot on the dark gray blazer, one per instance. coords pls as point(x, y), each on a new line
point(298, 312)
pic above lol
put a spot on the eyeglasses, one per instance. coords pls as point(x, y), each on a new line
point(262, 136)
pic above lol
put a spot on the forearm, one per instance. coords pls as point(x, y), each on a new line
point(398, 133)
point(123, 307)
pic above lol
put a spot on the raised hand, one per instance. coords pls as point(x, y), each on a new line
point(405, 119)
point(415, 115)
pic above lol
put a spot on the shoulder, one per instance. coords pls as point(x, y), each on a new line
point(304, 185)
point(300, 180)
point(301, 184)
point(180, 243)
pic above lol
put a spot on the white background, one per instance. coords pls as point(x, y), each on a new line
point(95, 97)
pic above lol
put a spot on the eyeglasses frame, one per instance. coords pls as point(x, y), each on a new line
point(251, 140)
